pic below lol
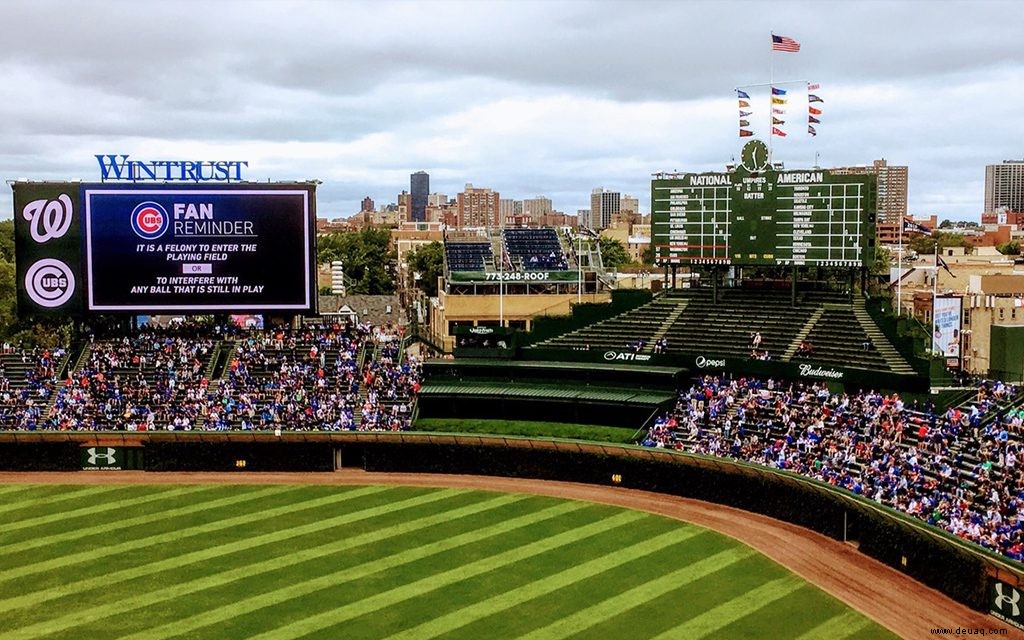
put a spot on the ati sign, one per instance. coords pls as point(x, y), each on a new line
point(1006, 602)
point(625, 356)
point(103, 459)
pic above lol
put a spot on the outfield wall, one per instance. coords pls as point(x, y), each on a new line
point(961, 570)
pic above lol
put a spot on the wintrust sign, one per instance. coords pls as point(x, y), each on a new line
point(121, 167)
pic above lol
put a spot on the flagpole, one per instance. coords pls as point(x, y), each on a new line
point(771, 93)
point(899, 273)
point(501, 275)
point(935, 290)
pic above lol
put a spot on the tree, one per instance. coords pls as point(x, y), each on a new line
point(427, 261)
point(924, 244)
point(882, 262)
point(1009, 248)
point(613, 254)
point(367, 257)
point(946, 224)
point(647, 257)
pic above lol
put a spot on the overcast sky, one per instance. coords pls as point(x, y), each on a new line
point(528, 98)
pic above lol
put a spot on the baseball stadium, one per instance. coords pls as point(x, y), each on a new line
point(755, 447)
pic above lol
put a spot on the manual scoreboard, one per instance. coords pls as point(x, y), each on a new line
point(755, 215)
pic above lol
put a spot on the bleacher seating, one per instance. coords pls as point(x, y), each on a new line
point(535, 249)
point(467, 256)
point(956, 469)
point(633, 330)
point(837, 336)
point(688, 322)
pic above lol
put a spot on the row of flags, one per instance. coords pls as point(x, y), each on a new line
point(780, 100)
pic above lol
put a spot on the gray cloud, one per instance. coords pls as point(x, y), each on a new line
point(526, 97)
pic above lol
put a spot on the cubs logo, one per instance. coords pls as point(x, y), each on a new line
point(150, 220)
point(49, 283)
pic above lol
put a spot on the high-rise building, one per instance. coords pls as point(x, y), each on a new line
point(603, 205)
point(630, 204)
point(419, 188)
point(367, 204)
point(478, 207)
point(509, 208)
point(437, 200)
point(537, 208)
point(891, 205)
point(1004, 186)
point(583, 218)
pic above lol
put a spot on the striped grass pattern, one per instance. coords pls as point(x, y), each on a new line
point(399, 563)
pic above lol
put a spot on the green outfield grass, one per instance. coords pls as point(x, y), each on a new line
point(529, 428)
point(276, 562)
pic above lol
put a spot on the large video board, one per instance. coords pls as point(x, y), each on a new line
point(167, 248)
point(764, 217)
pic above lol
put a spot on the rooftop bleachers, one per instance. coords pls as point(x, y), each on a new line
point(535, 249)
point(467, 256)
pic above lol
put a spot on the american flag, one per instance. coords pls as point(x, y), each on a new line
point(782, 43)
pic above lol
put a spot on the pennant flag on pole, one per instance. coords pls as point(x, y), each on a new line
point(814, 111)
point(942, 263)
point(778, 132)
point(744, 114)
point(744, 123)
point(781, 112)
point(909, 226)
point(778, 100)
point(811, 130)
point(813, 87)
point(783, 43)
point(745, 134)
point(777, 121)
point(742, 94)
point(778, 92)
point(813, 120)
point(813, 98)
point(744, 103)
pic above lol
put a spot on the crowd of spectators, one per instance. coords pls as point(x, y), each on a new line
point(22, 401)
point(160, 378)
point(130, 382)
point(958, 469)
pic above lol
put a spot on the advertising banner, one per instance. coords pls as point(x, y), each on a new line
point(513, 276)
point(946, 339)
point(1005, 602)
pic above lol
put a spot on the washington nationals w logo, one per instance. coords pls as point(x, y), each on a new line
point(49, 219)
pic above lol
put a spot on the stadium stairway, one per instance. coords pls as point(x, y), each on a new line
point(672, 316)
point(896, 362)
point(802, 335)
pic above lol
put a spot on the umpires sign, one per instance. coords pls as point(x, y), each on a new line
point(1006, 602)
point(111, 458)
point(48, 247)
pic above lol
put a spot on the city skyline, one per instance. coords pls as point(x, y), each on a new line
point(526, 98)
